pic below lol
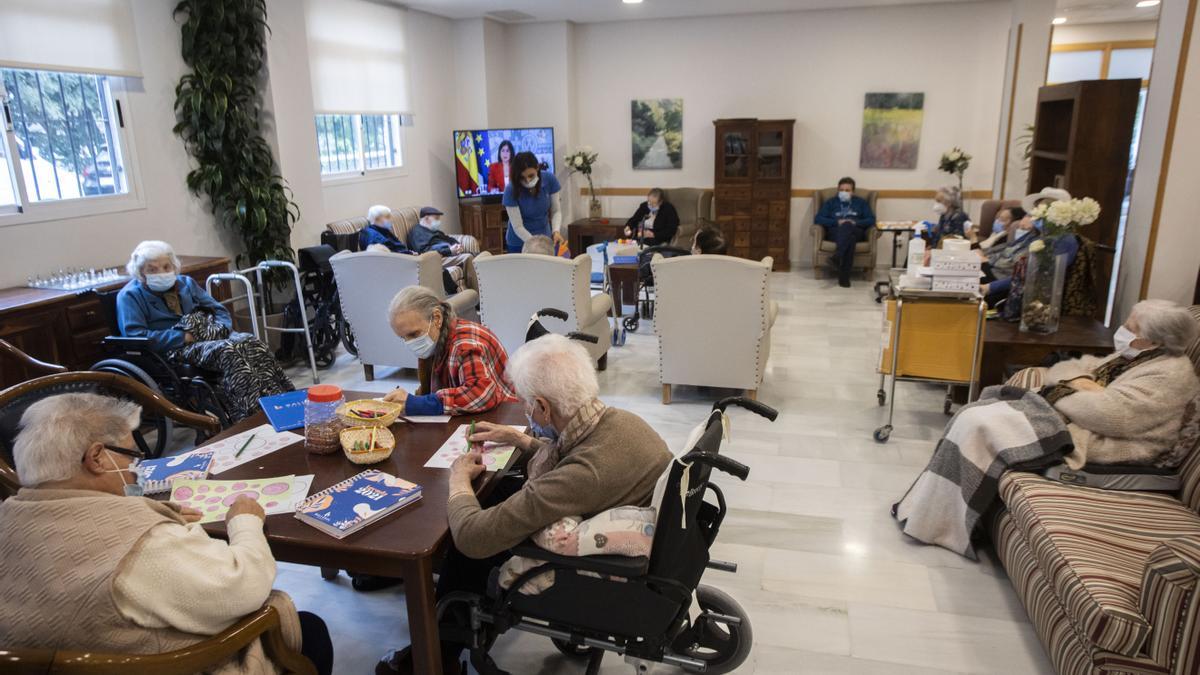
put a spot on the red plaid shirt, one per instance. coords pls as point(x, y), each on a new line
point(469, 378)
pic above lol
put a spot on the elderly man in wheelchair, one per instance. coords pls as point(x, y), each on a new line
point(587, 467)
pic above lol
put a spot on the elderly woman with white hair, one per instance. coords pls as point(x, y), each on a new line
point(1127, 407)
point(952, 220)
point(583, 458)
point(186, 325)
point(88, 565)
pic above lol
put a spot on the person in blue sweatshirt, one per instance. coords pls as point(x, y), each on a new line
point(379, 231)
point(846, 219)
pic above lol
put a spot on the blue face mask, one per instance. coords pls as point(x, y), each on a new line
point(997, 226)
point(540, 431)
point(653, 209)
point(844, 196)
point(1039, 224)
point(1020, 234)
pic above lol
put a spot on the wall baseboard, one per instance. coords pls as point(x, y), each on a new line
point(797, 193)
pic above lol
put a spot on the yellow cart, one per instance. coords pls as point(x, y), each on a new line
point(929, 336)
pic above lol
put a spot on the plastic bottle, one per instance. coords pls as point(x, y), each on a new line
point(322, 426)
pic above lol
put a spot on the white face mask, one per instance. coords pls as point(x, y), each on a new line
point(1123, 343)
point(422, 345)
point(131, 489)
point(530, 183)
point(939, 208)
point(161, 283)
point(844, 195)
point(434, 224)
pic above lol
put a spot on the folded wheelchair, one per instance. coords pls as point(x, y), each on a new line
point(649, 610)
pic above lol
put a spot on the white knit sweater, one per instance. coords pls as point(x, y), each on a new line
point(1135, 419)
point(183, 579)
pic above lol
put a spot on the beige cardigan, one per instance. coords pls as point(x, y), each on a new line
point(1135, 420)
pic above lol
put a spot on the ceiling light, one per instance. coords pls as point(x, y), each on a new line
point(632, 2)
point(1059, 20)
point(1148, 3)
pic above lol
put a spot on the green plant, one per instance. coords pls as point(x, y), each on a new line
point(218, 109)
point(1025, 143)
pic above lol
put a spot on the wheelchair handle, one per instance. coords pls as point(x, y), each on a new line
point(583, 337)
point(720, 463)
point(551, 312)
point(760, 409)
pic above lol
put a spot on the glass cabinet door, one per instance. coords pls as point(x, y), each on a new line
point(770, 154)
point(735, 154)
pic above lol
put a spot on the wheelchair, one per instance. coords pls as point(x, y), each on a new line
point(645, 306)
point(655, 610)
point(188, 387)
point(319, 293)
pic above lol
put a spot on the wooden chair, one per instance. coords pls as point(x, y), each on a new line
point(15, 399)
point(10, 352)
point(202, 656)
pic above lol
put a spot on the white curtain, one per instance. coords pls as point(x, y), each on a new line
point(84, 36)
point(358, 56)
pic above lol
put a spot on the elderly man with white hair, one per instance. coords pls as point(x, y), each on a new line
point(88, 565)
point(378, 233)
point(583, 458)
point(186, 325)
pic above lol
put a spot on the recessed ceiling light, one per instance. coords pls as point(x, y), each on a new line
point(1148, 3)
point(1059, 20)
point(632, 2)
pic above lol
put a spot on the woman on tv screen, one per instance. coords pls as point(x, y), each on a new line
point(499, 171)
point(532, 201)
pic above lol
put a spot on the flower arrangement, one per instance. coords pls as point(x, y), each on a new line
point(1041, 295)
point(1065, 217)
point(583, 161)
point(955, 163)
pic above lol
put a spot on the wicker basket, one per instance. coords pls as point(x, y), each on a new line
point(385, 442)
point(351, 413)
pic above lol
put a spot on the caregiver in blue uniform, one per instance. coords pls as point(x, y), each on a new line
point(532, 201)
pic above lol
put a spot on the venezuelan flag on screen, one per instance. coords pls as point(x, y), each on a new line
point(466, 149)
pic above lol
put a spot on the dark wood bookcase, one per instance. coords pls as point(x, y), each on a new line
point(753, 187)
point(1081, 142)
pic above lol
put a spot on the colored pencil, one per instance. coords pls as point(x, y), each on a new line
point(244, 446)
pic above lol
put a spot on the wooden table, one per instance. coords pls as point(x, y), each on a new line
point(64, 328)
point(587, 231)
point(405, 544)
point(1004, 344)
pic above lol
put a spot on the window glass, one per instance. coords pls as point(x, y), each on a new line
point(1128, 63)
point(1072, 66)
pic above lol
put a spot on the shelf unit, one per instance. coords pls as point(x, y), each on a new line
point(753, 187)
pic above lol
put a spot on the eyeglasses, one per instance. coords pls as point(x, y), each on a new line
point(137, 455)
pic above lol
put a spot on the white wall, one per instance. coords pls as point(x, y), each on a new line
point(1030, 21)
point(169, 211)
point(1067, 34)
point(798, 65)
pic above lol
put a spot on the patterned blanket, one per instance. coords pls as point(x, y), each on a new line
point(1007, 429)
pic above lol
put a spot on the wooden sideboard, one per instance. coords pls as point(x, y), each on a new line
point(752, 189)
point(62, 326)
point(485, 222)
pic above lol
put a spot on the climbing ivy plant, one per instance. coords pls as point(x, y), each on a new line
point(218, 109)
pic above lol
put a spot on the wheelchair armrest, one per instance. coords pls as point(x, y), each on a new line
point(134, 344)
point(615, 565)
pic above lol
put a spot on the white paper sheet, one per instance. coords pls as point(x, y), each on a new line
point(495, 456)
point(265, 441)
point(428, 419)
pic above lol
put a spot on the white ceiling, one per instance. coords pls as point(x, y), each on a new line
point(1105, 11)
point(593, 11)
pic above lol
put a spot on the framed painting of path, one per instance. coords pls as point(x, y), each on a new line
point(657, 129)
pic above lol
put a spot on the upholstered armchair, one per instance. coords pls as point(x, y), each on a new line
point(368, 280)
point(713, 316)
point(987, 214)
point(403, 220)
point(822, 250)
point(693, 205)
point(514, 286)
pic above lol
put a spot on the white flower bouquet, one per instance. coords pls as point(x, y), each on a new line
point(955, 162)
point(583, 161)
point(1064, 217)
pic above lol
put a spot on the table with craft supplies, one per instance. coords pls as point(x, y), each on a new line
point(404, 544)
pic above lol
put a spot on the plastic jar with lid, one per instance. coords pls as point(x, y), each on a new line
point(322, 426)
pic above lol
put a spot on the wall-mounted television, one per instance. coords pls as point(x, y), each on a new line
point(479, 154)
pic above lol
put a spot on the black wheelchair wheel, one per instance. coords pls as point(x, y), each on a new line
point(722, 647)
point(162, 427)
point(570, 650)
point(348, 337)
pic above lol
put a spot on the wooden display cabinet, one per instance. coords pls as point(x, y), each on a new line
point(752, 187)
point(486, 222)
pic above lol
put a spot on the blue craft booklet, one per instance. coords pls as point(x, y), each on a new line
point(357, 502)
point(156, 475)
point(285, 411)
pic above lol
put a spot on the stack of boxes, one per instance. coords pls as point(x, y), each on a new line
point(955, 267)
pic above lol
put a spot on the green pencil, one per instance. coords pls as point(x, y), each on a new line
point(244, 446)
point(470, 433)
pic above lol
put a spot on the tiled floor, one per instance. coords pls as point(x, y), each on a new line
point(830, 584)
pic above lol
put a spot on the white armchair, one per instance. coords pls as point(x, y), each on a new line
point(514, 286)
point(713, 316)
point(368, 280)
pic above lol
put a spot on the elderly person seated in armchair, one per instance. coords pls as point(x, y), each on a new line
point(90, 566)
point(583, 458)
point(186, 325)
point(1126, 408)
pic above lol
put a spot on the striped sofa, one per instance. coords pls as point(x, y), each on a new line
point(1110, 580)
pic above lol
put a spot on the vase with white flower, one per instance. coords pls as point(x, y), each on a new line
point(1046, 270)
point(583, 161)
point(955, 162)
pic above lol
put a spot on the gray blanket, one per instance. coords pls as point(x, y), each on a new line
point(1007, 429)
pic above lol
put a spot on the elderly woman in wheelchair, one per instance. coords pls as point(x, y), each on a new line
point(186, 325)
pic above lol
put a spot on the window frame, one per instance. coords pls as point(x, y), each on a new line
point(1105, 48)
point(362, 173)
point(26, 211)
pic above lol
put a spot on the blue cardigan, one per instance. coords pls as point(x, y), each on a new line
point(143, 313)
